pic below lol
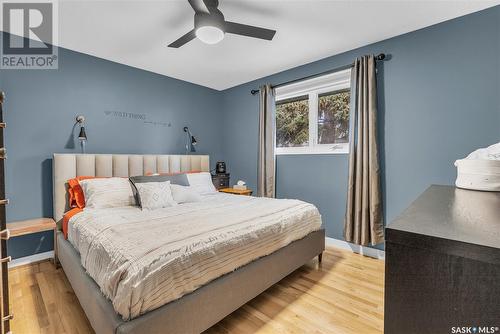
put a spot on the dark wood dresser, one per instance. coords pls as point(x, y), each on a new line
point(443, 264)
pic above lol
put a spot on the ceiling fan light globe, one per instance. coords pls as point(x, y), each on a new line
point(210, 34)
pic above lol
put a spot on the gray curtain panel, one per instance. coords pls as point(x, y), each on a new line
point(363, 223)
point(266, 163)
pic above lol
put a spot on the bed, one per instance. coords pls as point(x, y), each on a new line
point(275, 237)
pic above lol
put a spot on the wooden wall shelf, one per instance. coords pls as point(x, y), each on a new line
point(31, 226)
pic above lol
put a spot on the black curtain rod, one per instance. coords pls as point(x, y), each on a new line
point(380, 56)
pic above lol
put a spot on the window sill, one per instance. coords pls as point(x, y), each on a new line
point(309, 151)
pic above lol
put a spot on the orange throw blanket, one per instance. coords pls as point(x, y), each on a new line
point(67, 216)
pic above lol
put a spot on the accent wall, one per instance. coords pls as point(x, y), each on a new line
point(127, 110)
point(439, 99)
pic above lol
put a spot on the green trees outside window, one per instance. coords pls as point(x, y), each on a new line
point(292, 119)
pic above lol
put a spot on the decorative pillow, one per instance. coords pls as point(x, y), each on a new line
point(155, 195)
point(180, 179)
point(107, 192)
point(183, 194)
point(201, 183)
point(75, 191)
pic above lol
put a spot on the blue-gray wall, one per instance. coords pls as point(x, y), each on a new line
point(40, 110)
point(439, 99)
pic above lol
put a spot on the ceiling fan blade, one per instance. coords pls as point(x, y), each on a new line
point(251, 8)
point(183, 40)
point(250, 31)
point(211, 6)
point(199, 6)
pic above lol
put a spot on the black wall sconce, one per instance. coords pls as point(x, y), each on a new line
point(82, 136)
point(190, 141)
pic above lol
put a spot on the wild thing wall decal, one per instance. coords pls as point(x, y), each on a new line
point(136, 117)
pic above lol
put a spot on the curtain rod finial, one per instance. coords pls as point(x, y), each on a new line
point(380, 56)
point(254, 91)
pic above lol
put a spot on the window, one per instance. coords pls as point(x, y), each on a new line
point(312, 116)
point(292, 122)
point(333, 117)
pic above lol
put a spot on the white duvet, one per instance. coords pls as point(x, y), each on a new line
point(142, 260)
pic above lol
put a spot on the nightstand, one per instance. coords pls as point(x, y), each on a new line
point(246, 192)
point(30, 226)
point(220, 180)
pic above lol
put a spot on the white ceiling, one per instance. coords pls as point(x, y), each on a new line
point(136, 33)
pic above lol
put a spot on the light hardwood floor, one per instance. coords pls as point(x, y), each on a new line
point(342, 295)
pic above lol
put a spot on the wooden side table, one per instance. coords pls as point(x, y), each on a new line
point(34, 226)
point(246, 192)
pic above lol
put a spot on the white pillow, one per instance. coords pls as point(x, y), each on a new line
point(201, 183)
point(107, 192)
point(184, 194)
point(155, 195)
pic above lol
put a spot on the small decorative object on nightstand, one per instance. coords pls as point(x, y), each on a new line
point(220, 180)
point(245, 192)
point(34, 226)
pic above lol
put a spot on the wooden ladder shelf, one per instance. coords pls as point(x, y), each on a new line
point(5, 314)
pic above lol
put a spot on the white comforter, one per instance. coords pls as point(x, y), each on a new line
point(144, 259)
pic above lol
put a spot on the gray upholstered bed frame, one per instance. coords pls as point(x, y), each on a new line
point(194, 312)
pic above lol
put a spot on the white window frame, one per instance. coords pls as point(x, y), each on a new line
point(333, 82)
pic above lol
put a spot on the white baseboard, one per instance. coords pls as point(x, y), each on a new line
point(31, 259)
point(363, 250)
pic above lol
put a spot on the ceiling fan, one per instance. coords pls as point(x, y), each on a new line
point(210, 25)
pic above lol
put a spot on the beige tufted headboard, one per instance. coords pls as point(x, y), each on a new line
point(67, 166)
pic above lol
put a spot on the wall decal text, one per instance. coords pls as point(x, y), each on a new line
point(136, 117)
